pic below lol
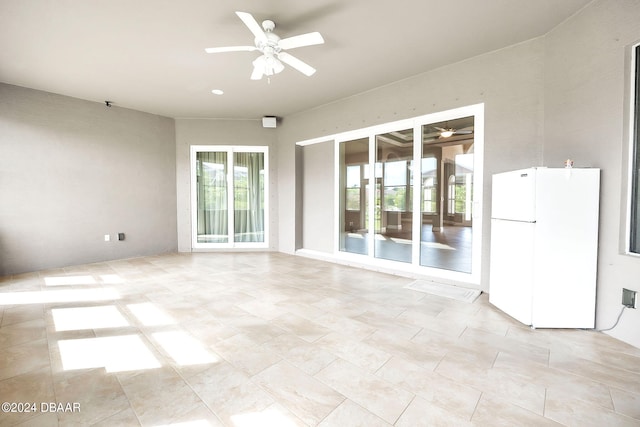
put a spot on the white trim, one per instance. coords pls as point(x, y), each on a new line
point(315, 140)
point(336, 193)
point(631, 147)
point(230, 244)
point(417, 195)
point(388, 267)
point(371, 247)
point(473, 278)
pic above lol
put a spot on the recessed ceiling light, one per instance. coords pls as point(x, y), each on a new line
point(217, 91)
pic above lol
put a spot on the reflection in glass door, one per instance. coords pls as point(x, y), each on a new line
point(229, 208)
point(354, 212)
point(393, 233)
point(447, 195)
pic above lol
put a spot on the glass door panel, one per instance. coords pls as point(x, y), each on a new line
point(447, 195)
point(393, 231)
point(248, 197)
point(354, 201)
point(211, 191)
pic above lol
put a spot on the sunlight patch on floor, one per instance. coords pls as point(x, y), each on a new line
point(100, 317)
point(115, 354)
point(61, 296)
point(400, 241)
point(69, 280)
point(436, 245)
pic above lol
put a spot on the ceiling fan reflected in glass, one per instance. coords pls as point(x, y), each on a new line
point(448, 132)
point(272, 48)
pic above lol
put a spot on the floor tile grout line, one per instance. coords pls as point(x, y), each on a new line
point(405, 409)
point(475, 408)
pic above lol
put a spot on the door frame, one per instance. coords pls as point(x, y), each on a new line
point(230, 150)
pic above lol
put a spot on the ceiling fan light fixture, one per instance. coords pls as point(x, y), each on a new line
point(267, 65)
point(446, 133)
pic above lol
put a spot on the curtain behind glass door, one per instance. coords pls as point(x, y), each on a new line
point(212, 197)
point(248, 187)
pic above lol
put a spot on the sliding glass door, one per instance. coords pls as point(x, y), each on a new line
point(394, 158)
point(229, 196)
point(211, 197)
point(446, 229)
point(407, 193)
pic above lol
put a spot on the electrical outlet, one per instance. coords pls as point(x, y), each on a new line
point(629, 298)
point(107, 237)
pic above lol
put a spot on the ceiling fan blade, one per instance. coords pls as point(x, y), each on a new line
point(463, 132)
point(252, 25)
point(308, 39)
point(304, 68)
point(230, 49)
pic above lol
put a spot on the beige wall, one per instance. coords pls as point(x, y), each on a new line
point(318, 182)
point(220, 132)
point(72, 171)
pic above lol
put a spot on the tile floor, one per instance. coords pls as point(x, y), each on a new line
point(267, 339)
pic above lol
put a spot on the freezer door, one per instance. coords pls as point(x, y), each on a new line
point(513, 195)
point(512, 268)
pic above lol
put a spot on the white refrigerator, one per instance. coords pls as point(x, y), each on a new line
point(544, 245)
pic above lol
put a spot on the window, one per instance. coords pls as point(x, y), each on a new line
point(229, 196)
point(429, 185)
point(353, 188)
point(634, 241)
point(395, 186)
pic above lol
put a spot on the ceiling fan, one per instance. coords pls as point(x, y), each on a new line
point(272, 48)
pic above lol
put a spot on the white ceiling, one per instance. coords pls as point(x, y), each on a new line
point(149, 55)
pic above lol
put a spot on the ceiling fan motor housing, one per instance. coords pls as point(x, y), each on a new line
point(270, 45)
point(268, 25)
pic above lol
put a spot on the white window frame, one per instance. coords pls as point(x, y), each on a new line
point(230, 150)
point(631, 135)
